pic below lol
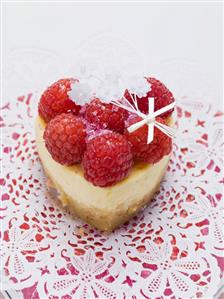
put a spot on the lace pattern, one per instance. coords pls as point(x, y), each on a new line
point(172, 249)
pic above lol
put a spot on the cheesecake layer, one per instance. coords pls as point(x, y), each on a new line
point(104, 208)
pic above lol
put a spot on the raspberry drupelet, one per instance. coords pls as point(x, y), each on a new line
point(107, 160)
point(65, 138)
point(106, 116)
point(152, 152)
point(55, 100)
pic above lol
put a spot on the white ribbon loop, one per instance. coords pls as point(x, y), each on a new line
point(150, 122)
point(149, 119)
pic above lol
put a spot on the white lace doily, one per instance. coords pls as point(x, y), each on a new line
point(173, 249)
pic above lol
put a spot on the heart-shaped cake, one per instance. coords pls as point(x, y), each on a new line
point(106, 159)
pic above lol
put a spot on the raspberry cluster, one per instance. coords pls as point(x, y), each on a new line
point(96, 134)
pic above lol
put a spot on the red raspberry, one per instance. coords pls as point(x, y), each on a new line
point(106, 116)
point(55, 100)
point(107, 159)
point(159, 92)
point(152, 152)
point(65, 138)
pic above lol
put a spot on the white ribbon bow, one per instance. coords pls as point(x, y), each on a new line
point(149, 119)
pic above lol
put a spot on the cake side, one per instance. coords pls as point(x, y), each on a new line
point(105, 208)
point(105, 220)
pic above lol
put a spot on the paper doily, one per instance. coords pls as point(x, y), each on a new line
point(173, 249)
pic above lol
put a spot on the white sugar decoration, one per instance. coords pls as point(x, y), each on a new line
point(109, 65)
point(149, 119)
point(137, 84)
point(80, 93)
point(109, 85)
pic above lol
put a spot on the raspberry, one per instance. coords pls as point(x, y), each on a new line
point(65, 138)
point(107, 159)
point(55, 100)
point(159, 92)
point(152, 152)
point(106, 116)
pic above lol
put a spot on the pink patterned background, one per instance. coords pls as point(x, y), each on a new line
point(172, 249)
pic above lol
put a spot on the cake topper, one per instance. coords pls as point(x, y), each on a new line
point(149, 119)
point(107, 67)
